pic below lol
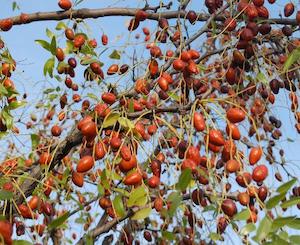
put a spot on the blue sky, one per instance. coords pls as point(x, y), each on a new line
point(30, 58)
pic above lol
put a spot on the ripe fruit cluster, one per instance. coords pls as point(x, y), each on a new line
point(202, 112)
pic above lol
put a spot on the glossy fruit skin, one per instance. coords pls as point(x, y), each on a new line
point(199, 122)
point(6, 24)
point(85, 164)
point(163, 83)
point(247, 34)
point(179, 65)
point(233, 131)
point(147, 236)
point(83, 121)
point(45, 158)
point(289, 9)
point(189, 164)
point(102, 110)
point(60, 55)
point(262, 193)
point(104, 39)
point(255, 155)
point(65, 4)
point(260, 173)
point(79, 40)
point(113, 69)
point(77, 179)
point(34, 202)
point(193, 153)
point(232, 166)
point(244, 198)
point(153, 181)
point(105, 203)
point(133, 178)
point(56, 130)
point(216, 137)
point(127, 165)
point(125, 153)
point(100, 150)
point(191, 16)
point(6, 231)
point(115, 143)
point(69, 33)
point(235, 115)
point(25, 211)
point(141, 15)
point(229, 207)
point(230, 24)
point(156, 167)
point(158, 204)
point(89, 130)
point(244, 179)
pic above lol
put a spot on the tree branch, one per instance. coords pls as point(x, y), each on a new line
point(86, 13)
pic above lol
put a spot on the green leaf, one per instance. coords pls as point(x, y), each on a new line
point(261, 78)
point(3, 90)
point(263, 229)
point(115, 55)
point(60, 25)
point(131, 106)
point(294, 224)
point(215, 236)
point(175, 198)
point(49, 66)
point(184, 179)
point(59, 221)
point(283, 189)
point(44, 44)
point(86, 49)
point(293, 201)
point(248, 229)
point(101, 190)
point(7, 117)
point(273, 201)
point(35, 140)
point(138, 197)
point(21, 242)
point(16, 104)
point(243, 215)
point(110, 120)
point(49, 90)
point(121, 191)
point(49, 33)
point(295, 239)
point(173, 96)
point(93, 96)
point(87, 61)
point(118, 206)
point(15, 6)
point(281, 221)
point(142, 214)
point(283, 235)
point(69, 47)
point(209, 208)
point(293, 57)
point(5, 195)
point(168, 235)
point(53, 45)
point(126, 123)
point(276, 240)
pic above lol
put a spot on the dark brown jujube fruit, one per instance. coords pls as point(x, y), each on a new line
point(229, 207)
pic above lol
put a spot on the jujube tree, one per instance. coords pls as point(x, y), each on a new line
point(171, 135)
